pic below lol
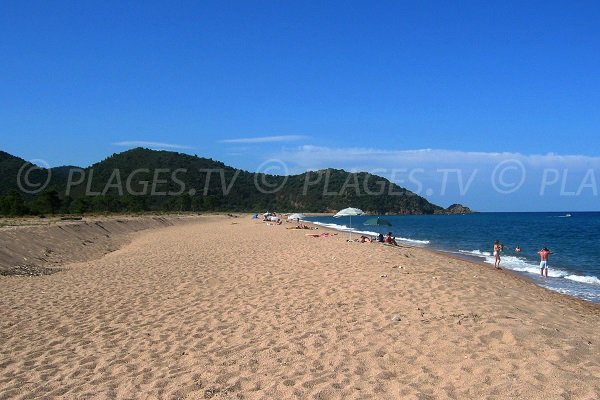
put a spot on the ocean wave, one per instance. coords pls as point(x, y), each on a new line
point(476, 253)
point(592, 280)
point(331, 226)
point(365, 232)
point(584, 294)
point(514, 263)
point(520, 264)
point(416, 241)
point(345, 228)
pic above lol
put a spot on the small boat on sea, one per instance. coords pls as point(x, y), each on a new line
point(567, 215)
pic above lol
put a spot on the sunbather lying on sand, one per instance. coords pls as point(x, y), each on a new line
point(300, 227)
point(362, 239)
point(324, 234)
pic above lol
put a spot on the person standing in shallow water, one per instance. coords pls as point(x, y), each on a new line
point(544, 254)
point(497, 248)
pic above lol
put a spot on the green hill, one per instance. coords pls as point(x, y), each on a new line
point(142, 179)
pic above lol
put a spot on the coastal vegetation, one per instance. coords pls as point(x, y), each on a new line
point(140, 180)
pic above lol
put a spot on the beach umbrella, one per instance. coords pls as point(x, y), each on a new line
point(296, 216)
point(377, 221)
point(349, 212)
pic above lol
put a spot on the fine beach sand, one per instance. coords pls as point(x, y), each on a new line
point(234, 308)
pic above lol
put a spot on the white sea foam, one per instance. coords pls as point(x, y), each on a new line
point(344, 228)
point(331, 226)
point(520, 264)
point(581, 293)
point(592, 280)
point(478, 253)
point(415, 241)
point(365, 232)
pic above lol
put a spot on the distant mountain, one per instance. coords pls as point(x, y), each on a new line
point(142, 179)
point(9, 168)
point(457, 209)
point(22, 176)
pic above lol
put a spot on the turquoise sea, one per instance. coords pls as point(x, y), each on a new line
point(573, 237)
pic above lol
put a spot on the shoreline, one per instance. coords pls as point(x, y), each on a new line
point(232, 307)
point(473, 260)
point(48, 262)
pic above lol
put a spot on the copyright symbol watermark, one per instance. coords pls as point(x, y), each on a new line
point(24, 176)
point(508, 176)
point(265, 182)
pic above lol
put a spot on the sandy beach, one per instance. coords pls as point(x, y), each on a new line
point(233, 308)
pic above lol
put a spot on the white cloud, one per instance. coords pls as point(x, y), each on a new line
point(266, 139)
point(313, 157)
point(151, 145)
point(505, 181)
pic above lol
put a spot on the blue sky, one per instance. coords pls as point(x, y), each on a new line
point(352, 85)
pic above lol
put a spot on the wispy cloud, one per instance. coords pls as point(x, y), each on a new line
point(152, 145)
point(266, 139)
point(309, 156)
point(505, 181)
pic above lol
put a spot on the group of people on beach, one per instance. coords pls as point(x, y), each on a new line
point(389, 239)
point(544, 254)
